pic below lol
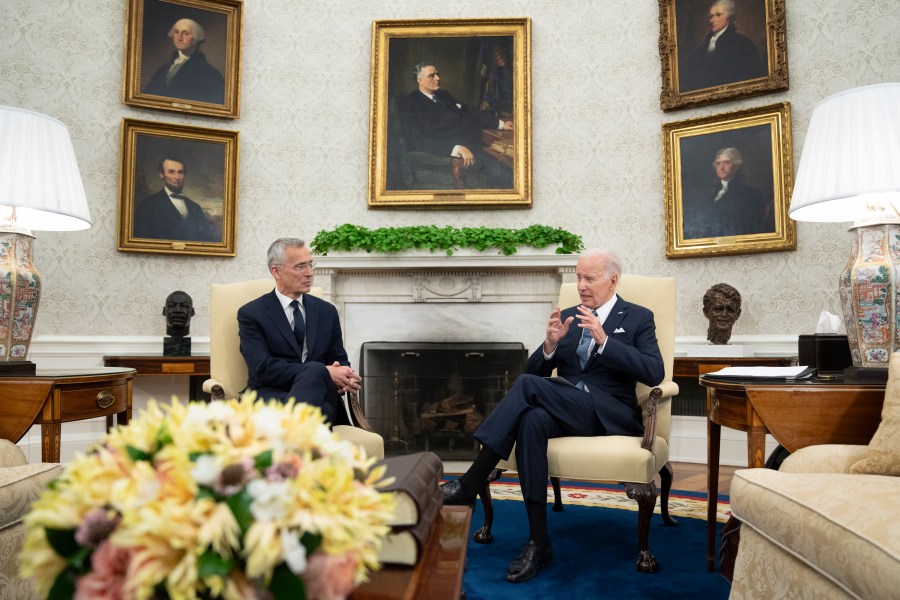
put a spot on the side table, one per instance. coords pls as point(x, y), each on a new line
point(56, 396)
point(797, 414)
point(196, 367)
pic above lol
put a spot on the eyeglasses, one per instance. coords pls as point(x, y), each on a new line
point(301, 266)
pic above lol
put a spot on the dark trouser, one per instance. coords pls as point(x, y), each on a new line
point(534, 411)
point(313, 385)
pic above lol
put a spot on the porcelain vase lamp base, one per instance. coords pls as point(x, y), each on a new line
point(20, 292)
point(868, 290)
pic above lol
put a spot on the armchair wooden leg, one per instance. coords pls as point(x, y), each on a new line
point(665, 477)
point(645, 495)
point(557, 498)
point(484, 535)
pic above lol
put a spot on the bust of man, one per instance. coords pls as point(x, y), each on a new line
point(178, 311)
point(722, 306)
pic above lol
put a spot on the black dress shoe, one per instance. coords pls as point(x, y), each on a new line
point(453, 495)
point(532, 557)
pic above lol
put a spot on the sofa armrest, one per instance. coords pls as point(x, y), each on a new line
point(824, 458)
point(11, 455)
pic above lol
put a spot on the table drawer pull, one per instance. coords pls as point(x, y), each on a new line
point(105, 399)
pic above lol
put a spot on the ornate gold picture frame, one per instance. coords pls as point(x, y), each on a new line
point(728, 182)
point(184, 56)
point(467, 144)
point(748, 56)
point(177, 189)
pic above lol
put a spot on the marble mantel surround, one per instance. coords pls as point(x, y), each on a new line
point(431, 297)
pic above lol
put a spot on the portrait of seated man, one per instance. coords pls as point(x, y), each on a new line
point(433, 121)
point(171, 215)
point(731, 207)
point(724, 56)
point(187, 74)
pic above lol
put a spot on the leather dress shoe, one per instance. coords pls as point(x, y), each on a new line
point(453, 495)
point(532, 557)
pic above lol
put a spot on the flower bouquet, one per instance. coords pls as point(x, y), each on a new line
point(238, 499)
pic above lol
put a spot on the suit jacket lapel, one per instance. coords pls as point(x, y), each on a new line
point(279, 321)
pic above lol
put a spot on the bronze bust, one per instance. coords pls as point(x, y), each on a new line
point(178, 310)
point(722, 306)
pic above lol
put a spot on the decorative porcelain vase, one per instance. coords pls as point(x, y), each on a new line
point(20, 292)
point(868, 290)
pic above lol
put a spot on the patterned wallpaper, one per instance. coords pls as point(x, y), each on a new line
point(304, 130)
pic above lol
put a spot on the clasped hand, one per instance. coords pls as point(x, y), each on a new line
point(557, 328)
point(345, 378)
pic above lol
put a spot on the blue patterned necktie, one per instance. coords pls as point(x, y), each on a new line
point(299, 325)
point(584, 344)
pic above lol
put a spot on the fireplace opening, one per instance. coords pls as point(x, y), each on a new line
point(434, 395)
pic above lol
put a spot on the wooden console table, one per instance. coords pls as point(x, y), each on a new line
point(695, 366)
point(56, 396)
point(439, 573)
point(797, 414)
point(197, 367)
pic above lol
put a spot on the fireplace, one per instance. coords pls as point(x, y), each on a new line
point(433, 395)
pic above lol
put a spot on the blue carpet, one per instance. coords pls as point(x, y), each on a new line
point(595, 549)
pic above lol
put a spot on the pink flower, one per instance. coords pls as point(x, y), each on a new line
point(106, 581)
point(329, 576)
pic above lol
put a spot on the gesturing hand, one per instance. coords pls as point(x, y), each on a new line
point(589, 321)
point(556, 330)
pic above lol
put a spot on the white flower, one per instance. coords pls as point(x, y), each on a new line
point(206, 470)
point(220, 411)
point(198, 415)
point(294, 552)
point(268, 499)
point(267, 423)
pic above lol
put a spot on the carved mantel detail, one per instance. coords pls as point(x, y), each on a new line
point(447, 288)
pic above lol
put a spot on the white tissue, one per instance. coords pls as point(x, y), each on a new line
point(828, 323)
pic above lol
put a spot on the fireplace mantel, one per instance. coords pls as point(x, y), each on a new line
point(423, 296)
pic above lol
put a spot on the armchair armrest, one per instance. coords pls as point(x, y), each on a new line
point(650, 418)
point(824, 458)
point(214, 388)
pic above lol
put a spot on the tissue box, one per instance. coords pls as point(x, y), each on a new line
point(826, 352)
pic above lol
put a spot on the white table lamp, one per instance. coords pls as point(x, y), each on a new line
point(850, 172)
point(40, 189)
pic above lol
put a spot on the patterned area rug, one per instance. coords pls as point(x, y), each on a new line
point(681, 504)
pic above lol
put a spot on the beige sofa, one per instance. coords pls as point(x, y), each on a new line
point(825, 524)
point(20, 484)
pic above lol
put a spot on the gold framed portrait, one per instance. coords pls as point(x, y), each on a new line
point(184, 56)
point(177, 189)
point(715, 50)
point(450, 114)
point(728, 180)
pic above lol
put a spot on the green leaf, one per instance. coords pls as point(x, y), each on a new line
point(211, 564)
point(240, 507)
point(285, 585)
point(64, 586)
point(81, 560)
point(263, 460)
point(311, 541)
point(137, 455)
point(62, 541)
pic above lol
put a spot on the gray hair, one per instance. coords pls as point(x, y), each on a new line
point(199, 34)
point(275, 255)
point(612, 264)
point(733, 153)
point(729, 8)
point(417, 70)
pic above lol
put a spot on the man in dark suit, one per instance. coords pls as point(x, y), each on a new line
point(732, 207)
point(611, 346)
point(169, 214)
point(435, 122)
point(292, 341)
point(187, 74)
point(725, 56)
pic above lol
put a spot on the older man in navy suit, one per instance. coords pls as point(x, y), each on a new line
point(292, 341)
point(600, 349)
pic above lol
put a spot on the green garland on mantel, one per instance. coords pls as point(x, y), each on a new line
point(430, 237)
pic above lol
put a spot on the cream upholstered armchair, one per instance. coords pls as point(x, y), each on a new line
point(228, 371)
point(631, 461)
